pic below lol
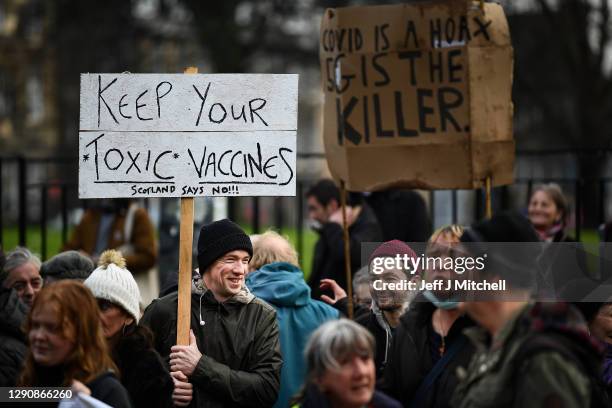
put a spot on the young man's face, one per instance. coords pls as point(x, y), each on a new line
point(318, 212)
point(225, 276)
point(26, 281)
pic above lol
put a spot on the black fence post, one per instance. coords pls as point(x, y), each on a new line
point(529, 190)
point(454, 206)
point(478, 207)
point(43, 221)
point(505, 198)
point(255, 215)
point(602, 201)
point(300, 222)
point(577, 194)
point(64, 209)
point(278, 213)
point(231, 208)
point(432, 208)
point(22, 182)
point(1, 215)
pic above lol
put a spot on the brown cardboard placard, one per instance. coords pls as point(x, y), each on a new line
point(417, 95)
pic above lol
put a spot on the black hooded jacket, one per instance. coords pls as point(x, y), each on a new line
point(410, 358)
point(328, 258)
point(239, 341)
point(142, 371)
point(12, 340)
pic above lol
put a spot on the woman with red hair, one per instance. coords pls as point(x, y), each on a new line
point(67, 346)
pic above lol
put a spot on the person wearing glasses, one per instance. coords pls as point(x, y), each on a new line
point(141, 369)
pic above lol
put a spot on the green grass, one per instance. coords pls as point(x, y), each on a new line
point(10, 239)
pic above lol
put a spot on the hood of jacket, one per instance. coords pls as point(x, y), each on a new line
point(199, 288)
point(280, 283)
point(12, 314)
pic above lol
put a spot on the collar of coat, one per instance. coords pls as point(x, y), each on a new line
point(244, 296)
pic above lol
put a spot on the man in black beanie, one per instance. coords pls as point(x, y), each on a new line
point(529, 353)
point(234, 354)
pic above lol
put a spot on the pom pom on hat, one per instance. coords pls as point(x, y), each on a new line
point(111, 256)
point(113, 282)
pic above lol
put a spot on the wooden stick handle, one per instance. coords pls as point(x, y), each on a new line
point(183, 316)
point(183, 313)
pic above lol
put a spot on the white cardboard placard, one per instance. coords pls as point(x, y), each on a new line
point(167, 135)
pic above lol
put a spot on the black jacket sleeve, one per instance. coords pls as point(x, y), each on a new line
point(359, 311)
point(257, 386)
point(110, 391)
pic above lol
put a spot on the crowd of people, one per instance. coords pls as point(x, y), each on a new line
point(263, 336)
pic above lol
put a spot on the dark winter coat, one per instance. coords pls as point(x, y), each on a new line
point(239, 341)
point(378, 326)
point(562, 263)
point(543, 357)
point(402, 215)
point(109, 390)
point(411, 357)
point(313, 398)
point(13, 346)
point(328, 258)
point(372, 319)
point(143, 372)
point(106, 387)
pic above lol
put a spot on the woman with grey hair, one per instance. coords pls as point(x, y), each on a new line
point(21, 272)
point(341, 373)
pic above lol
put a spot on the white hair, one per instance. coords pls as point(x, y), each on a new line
point(332, 342)
point(18, 257)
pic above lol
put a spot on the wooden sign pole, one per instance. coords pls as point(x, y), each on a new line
point(488, 210)
point(347, 250)
point(183, 314)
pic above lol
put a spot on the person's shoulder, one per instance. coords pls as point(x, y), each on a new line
point(418, 314)
point(260, 304)
point(551, 370)
point(164, 306)
point(105, 383)
point(108, 389)
point(324, 308)
point(144, 360)
point(364, 319)
point(382, 400)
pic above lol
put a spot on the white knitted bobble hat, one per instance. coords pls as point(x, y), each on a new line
point(113, 282)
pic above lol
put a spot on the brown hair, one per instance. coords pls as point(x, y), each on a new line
point(553, 190)
point(79, 318)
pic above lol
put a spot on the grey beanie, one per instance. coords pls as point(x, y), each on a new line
point(67, 265)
